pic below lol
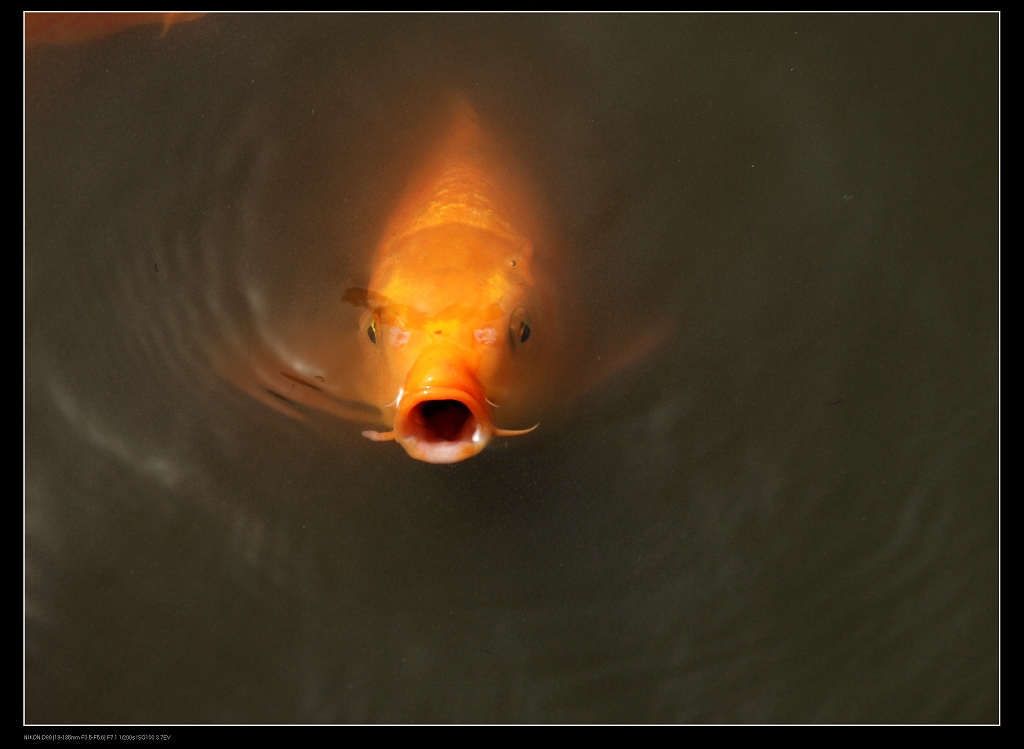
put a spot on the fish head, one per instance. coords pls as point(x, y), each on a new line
point(455, 330)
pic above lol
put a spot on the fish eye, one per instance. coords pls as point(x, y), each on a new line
point(519, 327)
point(373, 329)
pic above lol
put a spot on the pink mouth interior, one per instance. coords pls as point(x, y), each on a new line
point(443, 421)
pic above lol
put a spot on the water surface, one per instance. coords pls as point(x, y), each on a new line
point(788, 512)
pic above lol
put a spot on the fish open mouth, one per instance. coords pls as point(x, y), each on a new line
point(444, 420)
point(442, 425)
point(442, 413)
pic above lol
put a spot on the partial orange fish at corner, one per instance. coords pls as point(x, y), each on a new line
point(73, 28)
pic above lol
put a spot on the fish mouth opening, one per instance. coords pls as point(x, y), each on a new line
point(444, 420)
point(442, 427)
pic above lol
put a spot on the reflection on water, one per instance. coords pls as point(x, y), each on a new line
point(787, 513)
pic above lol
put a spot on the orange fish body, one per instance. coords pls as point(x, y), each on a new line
point(459, 329)
point(72, 28)
point(458, 338)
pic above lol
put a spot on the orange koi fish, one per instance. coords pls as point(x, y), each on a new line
point(458, 319)
point(72, 28)
point(459, 339)
point(457, 333)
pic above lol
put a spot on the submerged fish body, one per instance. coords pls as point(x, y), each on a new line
point(75, 27)
point(466, 331)
point(459, 328)
point(458, 338)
